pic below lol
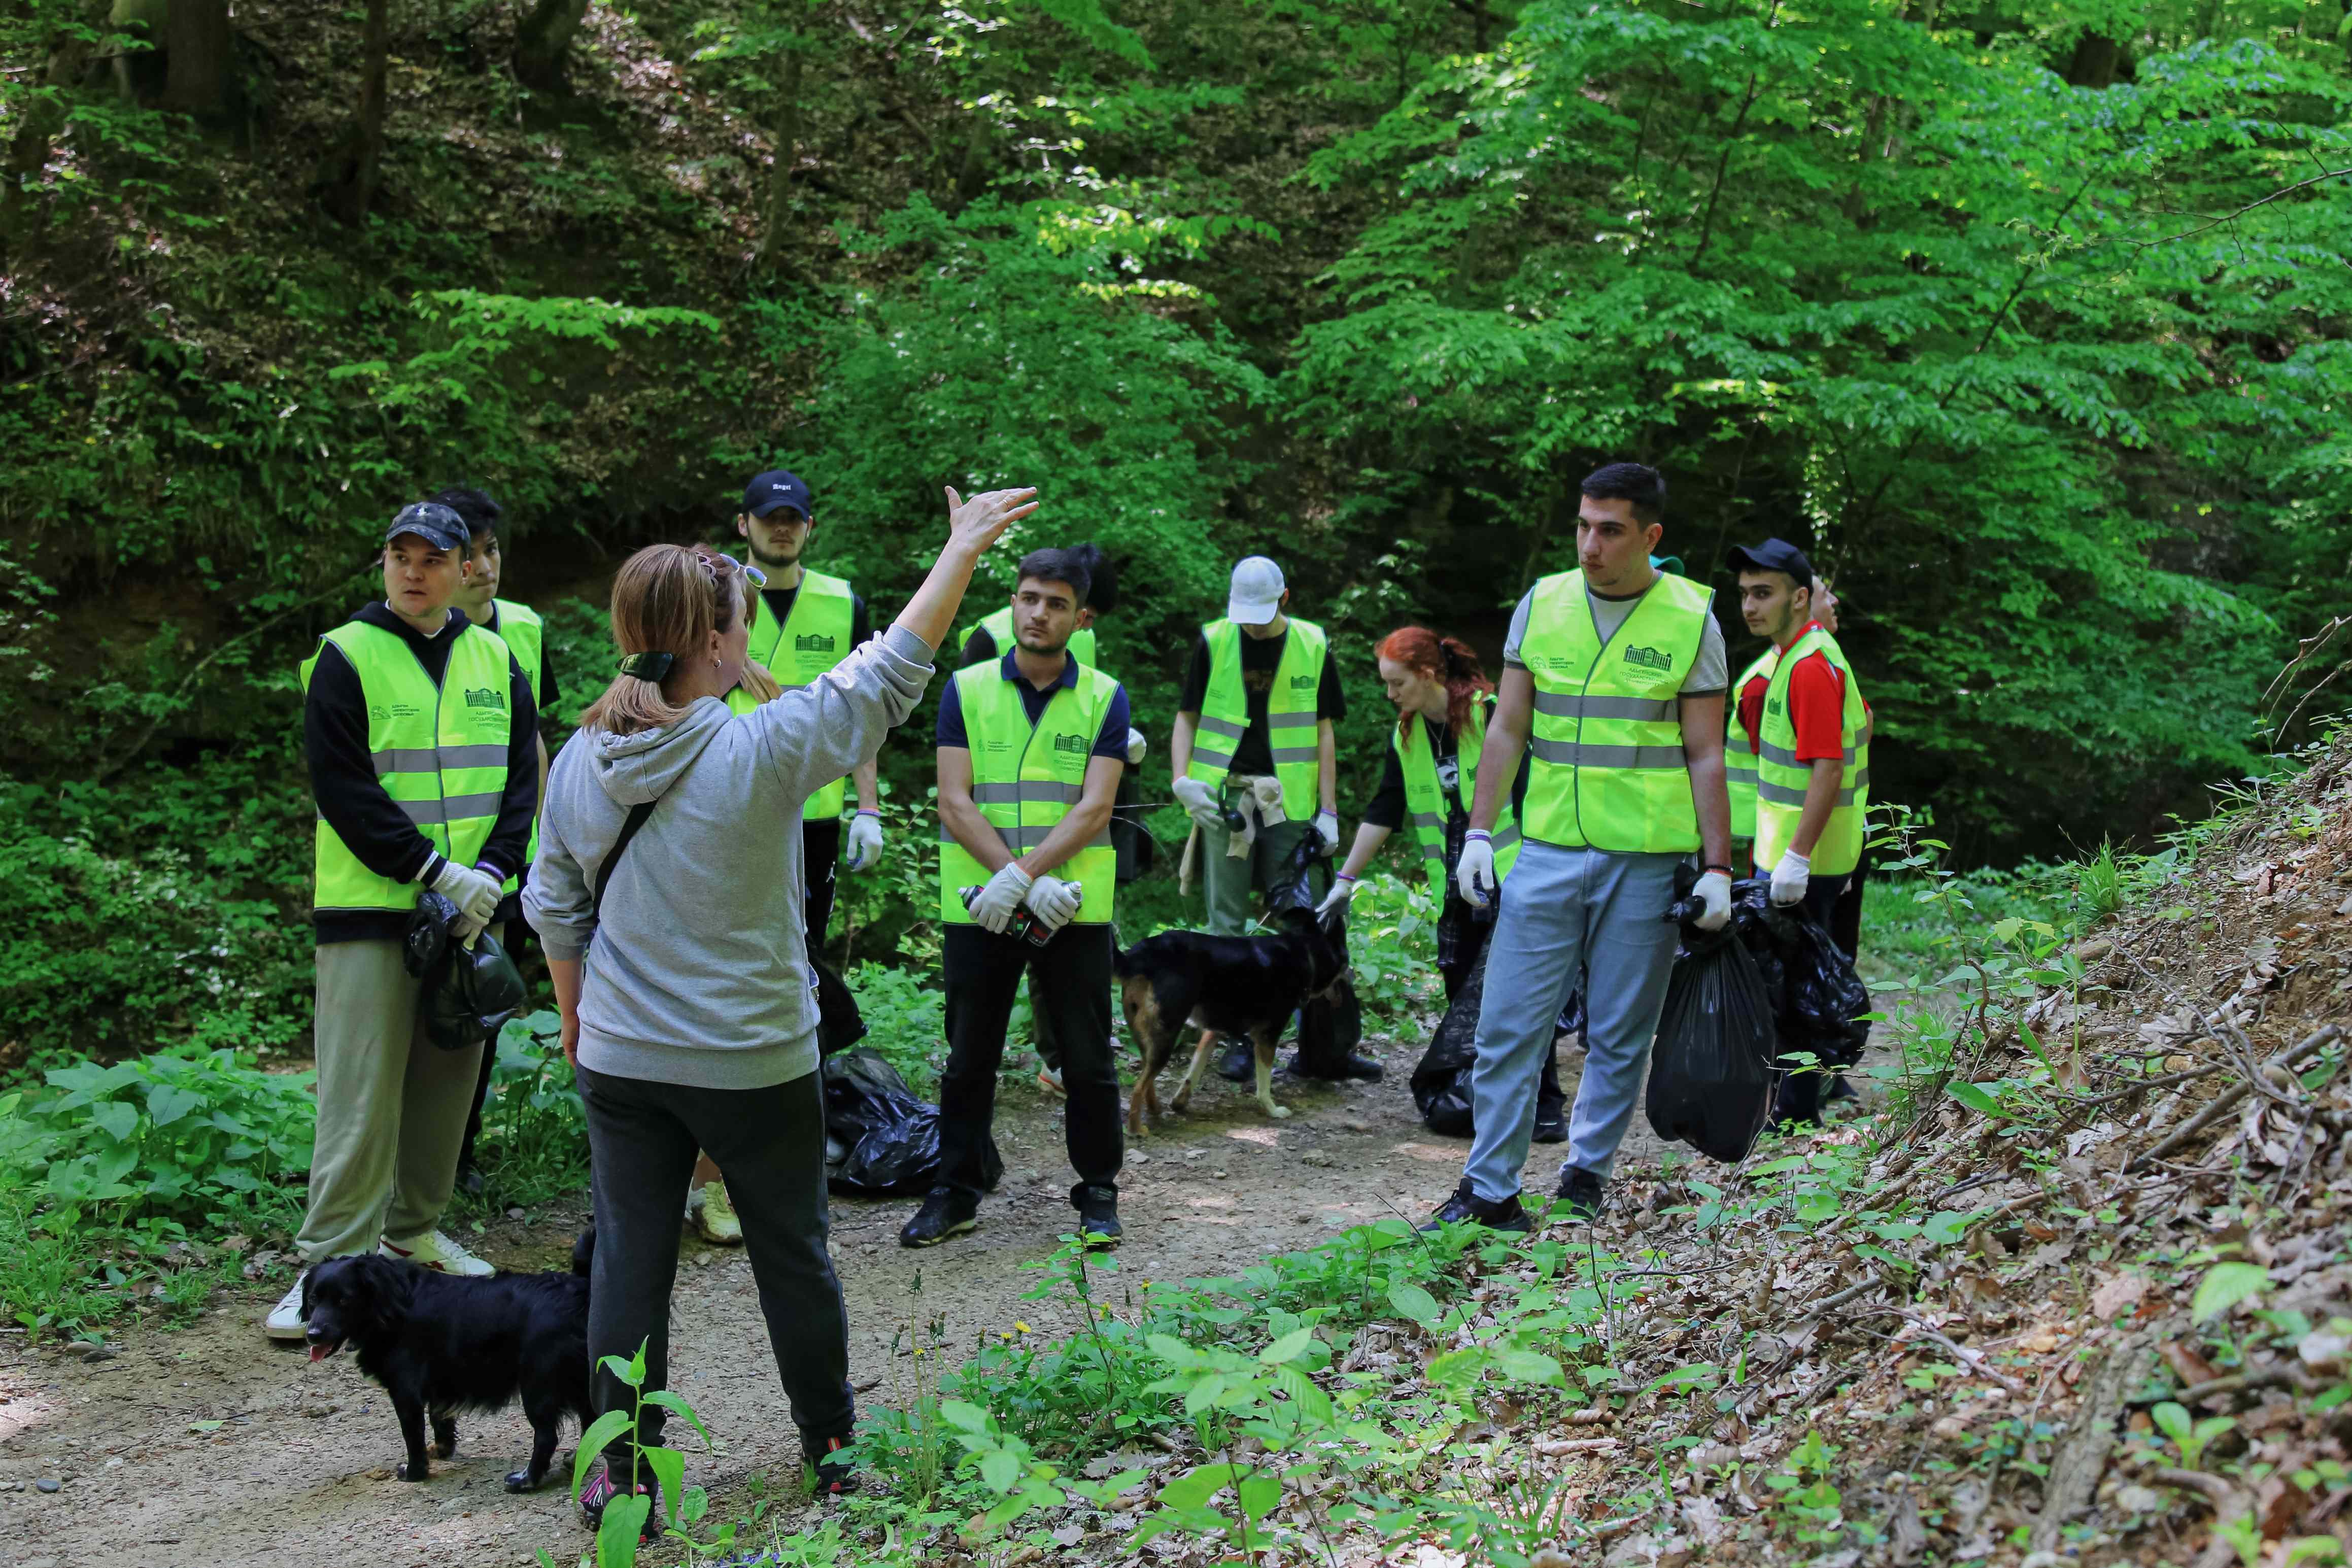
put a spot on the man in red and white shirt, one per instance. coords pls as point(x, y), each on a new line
point(1776, 600)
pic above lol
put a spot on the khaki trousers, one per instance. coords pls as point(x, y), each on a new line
point(391, 1106)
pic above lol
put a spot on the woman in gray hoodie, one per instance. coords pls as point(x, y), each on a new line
point(671, 918)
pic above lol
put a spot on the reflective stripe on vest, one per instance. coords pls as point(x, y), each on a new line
point(1025, 778)
point(439, 753)
point(1605, 764)
point(998, 625)
point(1425, 798)
point(812, 640)
point(1738, 755)
point(525, 634)
point(1290, 705)
point(1781, 780)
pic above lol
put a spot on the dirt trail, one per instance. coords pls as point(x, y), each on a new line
point(299, 1470)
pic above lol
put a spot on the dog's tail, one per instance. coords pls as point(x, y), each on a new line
point(583, 1251)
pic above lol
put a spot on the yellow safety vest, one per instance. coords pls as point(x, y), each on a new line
point(812, 640)
point(524, 634)
point(998, 625)
point(1289, 714)
point(440, 752)
point(1605, 764)
point(1425, 798)
point(1025, 778)
point(1781, 780)
point(1738, 755)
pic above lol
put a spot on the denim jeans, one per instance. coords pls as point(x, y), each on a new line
point(1566, 913)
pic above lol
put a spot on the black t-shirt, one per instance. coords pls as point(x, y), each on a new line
point(1388, 807)
point(1261, 656)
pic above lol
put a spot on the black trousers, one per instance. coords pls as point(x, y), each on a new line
point(770, 1145)
point(1845, 920)
point(1069, 988)
point(819, 855)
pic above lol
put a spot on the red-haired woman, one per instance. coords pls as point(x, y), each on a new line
point(1442, 699)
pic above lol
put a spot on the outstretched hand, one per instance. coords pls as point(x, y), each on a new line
point(981, 521)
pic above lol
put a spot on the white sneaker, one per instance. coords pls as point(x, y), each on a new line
point(438, 1253)
point(285, 1320)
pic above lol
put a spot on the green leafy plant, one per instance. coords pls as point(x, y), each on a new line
point(2189, 1435)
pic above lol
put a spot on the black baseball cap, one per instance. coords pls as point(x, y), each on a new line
point(1773, 555)
point(775, 489)
point(431, 523)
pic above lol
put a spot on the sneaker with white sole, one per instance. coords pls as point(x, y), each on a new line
point(285, 1320)
point(438, 1252)
point(1050, 1081)
point(714, 1216)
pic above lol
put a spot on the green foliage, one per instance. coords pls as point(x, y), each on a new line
point(1392, 946)
point(535, 1140)
point(905, 1022)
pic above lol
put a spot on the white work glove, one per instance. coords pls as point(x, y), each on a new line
point(1326, 828)
point(994, 907)
point(1790, 876)
point(1136, 746)
point(1053, 900)
point(864, 841)
point(1474, 874)
point(1200, 802)
point(1343, 889)
point(1715, 891)
point(475, 894)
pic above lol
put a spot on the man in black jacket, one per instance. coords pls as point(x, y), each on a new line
point(423, 744)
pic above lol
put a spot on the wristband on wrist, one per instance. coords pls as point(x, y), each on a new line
point(1479, 833)
point(1716, 865)
point(1345, 877)
point(863, 812)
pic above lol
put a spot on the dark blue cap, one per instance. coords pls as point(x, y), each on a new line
point(431, 523)
point(1773, 555)
point(775, 489)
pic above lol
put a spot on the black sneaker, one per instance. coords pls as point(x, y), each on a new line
point(834, 1472)
point(945, 1213)
point(1362, 1067)
point(1098, 1215)
point(604, 1486)
point(1843, 1092)
point(1239, 1063)
point(1466, 1207)
point(1582, 1191)
point(1551, 1124)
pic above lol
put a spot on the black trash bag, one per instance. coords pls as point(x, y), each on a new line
point(1293, 885)
point(1711, 1075)
point(1133, 850)
point(470, 993)
point(1331, 1028)
point(839, 1023)
point(887, 1141)
point(1441, 1081)
point(1819, 1002)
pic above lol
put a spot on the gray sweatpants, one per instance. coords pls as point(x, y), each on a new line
point(391, 1106)
point(1565, 911)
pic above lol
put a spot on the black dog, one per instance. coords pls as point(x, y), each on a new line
point(1241, 986)
point(440, 1344)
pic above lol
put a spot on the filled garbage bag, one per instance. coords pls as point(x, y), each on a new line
point(1441, 1081)
point(1819, 1012)
point(879, 1139)
point(1712, 1076)
point(470, 993)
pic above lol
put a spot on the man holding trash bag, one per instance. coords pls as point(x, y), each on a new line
point(1811, 732)
point(1613, 678)
point(423, 744)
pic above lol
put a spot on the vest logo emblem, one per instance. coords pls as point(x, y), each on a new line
point(1773, 707)
point(1066, 742)
point(815, 642)
point(1650, 658)
point(484, 696)
point(1303, 682)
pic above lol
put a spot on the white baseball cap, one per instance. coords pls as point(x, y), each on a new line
point(1256, 596)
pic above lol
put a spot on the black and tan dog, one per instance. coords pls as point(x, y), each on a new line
point(1242, 985)
point(439, 1343)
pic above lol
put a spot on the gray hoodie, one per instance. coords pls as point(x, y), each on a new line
point(698, 971)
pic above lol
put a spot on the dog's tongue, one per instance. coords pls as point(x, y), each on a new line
point(318, 1353)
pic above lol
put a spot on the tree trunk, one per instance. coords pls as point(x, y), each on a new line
point(367, 139)
point(543, 42)
point(28, 150)
point(2095, 62)
point(200, 56)
point(788, 156)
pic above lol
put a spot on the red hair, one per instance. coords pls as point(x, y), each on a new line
point(1447, 660)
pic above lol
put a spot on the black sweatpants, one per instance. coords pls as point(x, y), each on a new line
point(1069, 989)
point(770, 1145)
point(819, 855)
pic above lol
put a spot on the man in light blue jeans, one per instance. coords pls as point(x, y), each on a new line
point(1613, 681)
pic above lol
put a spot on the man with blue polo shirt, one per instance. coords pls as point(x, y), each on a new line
point(1613, 689)
point(1031, 750)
